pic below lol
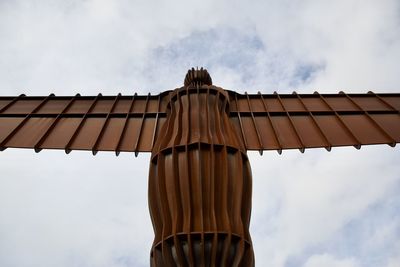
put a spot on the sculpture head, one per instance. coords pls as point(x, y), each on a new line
point(197, 77)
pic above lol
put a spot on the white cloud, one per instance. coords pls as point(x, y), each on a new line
point(329, 261)
point(394, 262)
point(317, 198)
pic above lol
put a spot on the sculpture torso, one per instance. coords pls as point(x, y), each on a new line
point(200, 184)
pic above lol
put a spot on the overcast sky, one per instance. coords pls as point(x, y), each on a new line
point(331, 209)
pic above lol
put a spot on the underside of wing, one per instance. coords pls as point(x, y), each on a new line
point(300, 121)
point(96, 123)
point(262, 121)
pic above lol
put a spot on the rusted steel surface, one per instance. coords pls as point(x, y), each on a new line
point(96, 123)
point(262, 121)
point(200, 185)
point(287, 121)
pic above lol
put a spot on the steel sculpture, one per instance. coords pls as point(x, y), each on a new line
point(200, 178)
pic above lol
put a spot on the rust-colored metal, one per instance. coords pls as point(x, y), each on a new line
point(200, 184)
point(261, 121)
point(199, 134)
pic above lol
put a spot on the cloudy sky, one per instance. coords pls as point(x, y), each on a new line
point(336, 209)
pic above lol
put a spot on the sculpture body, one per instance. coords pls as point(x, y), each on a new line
point(200, 185)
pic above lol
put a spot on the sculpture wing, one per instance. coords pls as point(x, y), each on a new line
point(287, 121)
point(96, 123)
point(263, 121)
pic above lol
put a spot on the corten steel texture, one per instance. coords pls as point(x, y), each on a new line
point(200, 178)
point(200, 184)
point(262, 121)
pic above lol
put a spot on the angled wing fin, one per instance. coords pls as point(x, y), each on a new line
point(96, 123)
point(300, 121)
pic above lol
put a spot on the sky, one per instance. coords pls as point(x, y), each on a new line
point(332, 209)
